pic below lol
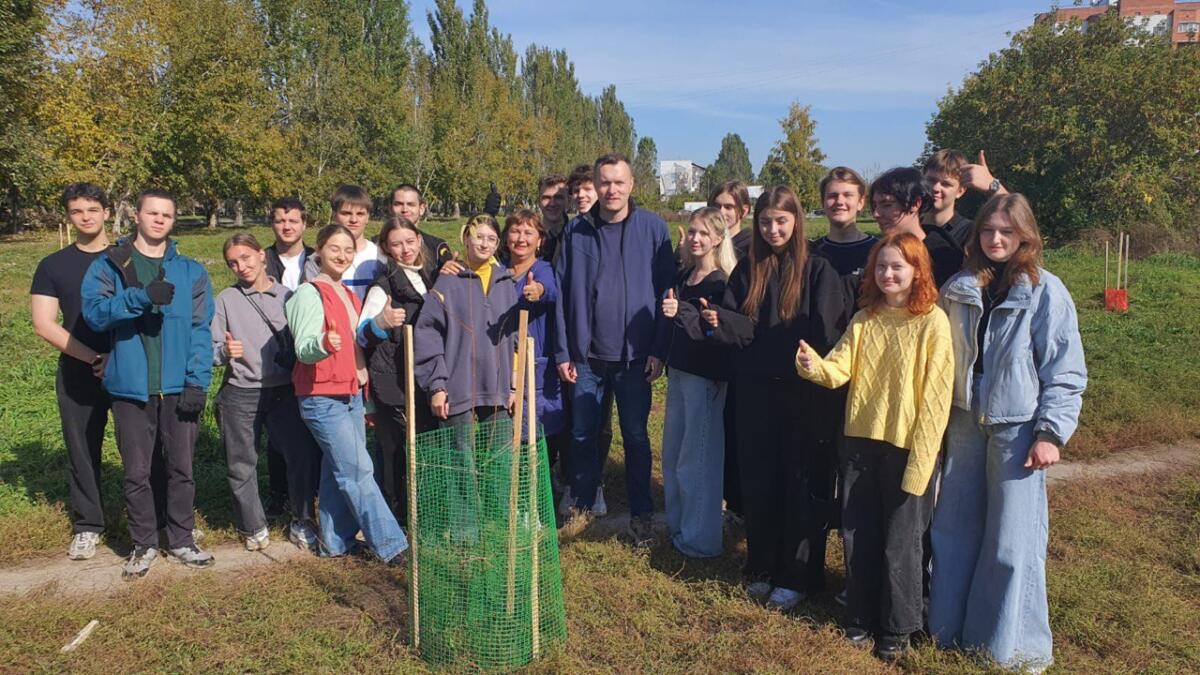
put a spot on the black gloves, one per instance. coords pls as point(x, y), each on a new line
point(191, 401)
point(160, 291)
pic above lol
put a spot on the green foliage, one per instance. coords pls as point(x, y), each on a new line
point(645, 173)
point(796, 159)
point(732, 163)
point(246, 100)
point(1097, 128)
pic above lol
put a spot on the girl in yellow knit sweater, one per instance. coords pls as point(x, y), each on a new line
point(896, 355)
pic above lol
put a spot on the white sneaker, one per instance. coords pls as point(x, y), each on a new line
point(83, 545)
point(758, 590)
point(258, 541)
point(599, 508)
point(567, 501)
point(139, 562)
point(784, 599)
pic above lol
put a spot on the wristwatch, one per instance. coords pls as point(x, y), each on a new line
point(994, 187)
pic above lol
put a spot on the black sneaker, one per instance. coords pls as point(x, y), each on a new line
point(857, 636)
point(890, 647)
point(641, 531)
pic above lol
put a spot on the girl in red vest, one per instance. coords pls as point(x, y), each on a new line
point(329, 377)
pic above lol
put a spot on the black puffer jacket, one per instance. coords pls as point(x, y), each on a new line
point(385, 357)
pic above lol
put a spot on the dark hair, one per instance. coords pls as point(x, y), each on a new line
point(550, 180)
point(1028, 258)
point(410, 187)
point(352, 195)
point(157, 193)
point(580, 175)
point(286, 204)
point(843, 174)
point(331, 229)
point(734, 188)
point(764, 262)
point(946, 163)
point(523, 217)
point(240, 239)
point(84, 191)
point(907, 185)
point(394, 223)
point(610, 159)
point(923, 293)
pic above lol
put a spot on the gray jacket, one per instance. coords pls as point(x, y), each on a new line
point(234, 314)
point(1033, 366)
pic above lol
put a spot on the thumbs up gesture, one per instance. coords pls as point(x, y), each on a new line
point(390, 316)
point(233, 347)
point(453, 267)
point(533, 290)
point(160, 291)
point(709, 315)
point(333, 341)
point(977, 176)
point(804, 357)
point(670, 306)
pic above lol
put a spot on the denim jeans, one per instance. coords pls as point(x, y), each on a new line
point(989, 534)
point(882, 527)
point(242, 414)
point(693, 463)
point(631, 391)
point(350, 499)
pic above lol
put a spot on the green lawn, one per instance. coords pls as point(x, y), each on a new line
point(1124, 582)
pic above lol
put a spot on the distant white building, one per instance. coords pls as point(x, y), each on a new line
point(677, 176)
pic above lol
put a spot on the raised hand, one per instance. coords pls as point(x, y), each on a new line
point(804, 357)
point(708, 315)
point(977, 176)
point(533, 290)
point(160, 291)
point(453, 267)
point(391, 316)
point(670, 306)
point(333, 341)
point(233, 348)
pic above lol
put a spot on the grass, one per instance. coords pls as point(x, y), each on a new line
point(1124, 566)
point(1124, 583)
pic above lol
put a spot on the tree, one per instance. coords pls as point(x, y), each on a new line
point(732, 163)
point(1095, 128)
point(21, 63)
point(795, 161)
point(645, 173)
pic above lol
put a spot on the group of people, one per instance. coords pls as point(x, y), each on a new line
point(905, 391)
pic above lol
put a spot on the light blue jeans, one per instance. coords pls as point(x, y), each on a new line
point(350, 499)
point(693, 462)
point(988, 590)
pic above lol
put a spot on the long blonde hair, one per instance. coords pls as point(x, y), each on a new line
point(1027, 260)
point(711, 217)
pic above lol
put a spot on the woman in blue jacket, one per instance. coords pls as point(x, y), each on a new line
point(1018, 386)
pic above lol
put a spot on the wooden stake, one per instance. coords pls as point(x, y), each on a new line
point(1106, 264)
point(410, 412)
point(1127, 262)
point(515, 470)
point(535, 518)
point(1120, 255)
point(83, 635)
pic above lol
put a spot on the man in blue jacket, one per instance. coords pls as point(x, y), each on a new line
point(612, 270)
point(157, 307)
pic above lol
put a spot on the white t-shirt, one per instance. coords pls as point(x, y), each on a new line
point(291, 271)
point(363, 270)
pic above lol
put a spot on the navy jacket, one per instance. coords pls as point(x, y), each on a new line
point(649, 266)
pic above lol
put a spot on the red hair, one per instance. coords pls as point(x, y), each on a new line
point(923, 293)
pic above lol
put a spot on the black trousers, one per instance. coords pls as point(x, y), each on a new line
point(783, 486)
point(277, 474)
point(141, 427)
point(733, 478)
point(83, 409)
point(391, 452)
point(883, 527)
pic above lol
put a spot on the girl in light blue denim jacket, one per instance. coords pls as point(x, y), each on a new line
point(1019, 378)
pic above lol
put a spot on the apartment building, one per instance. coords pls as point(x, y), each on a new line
point(1178, 20)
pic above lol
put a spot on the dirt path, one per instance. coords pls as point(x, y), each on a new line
point(102, 574)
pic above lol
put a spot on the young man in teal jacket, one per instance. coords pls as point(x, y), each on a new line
point(156, 306)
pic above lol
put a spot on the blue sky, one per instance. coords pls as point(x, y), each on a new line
point(690, 72)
